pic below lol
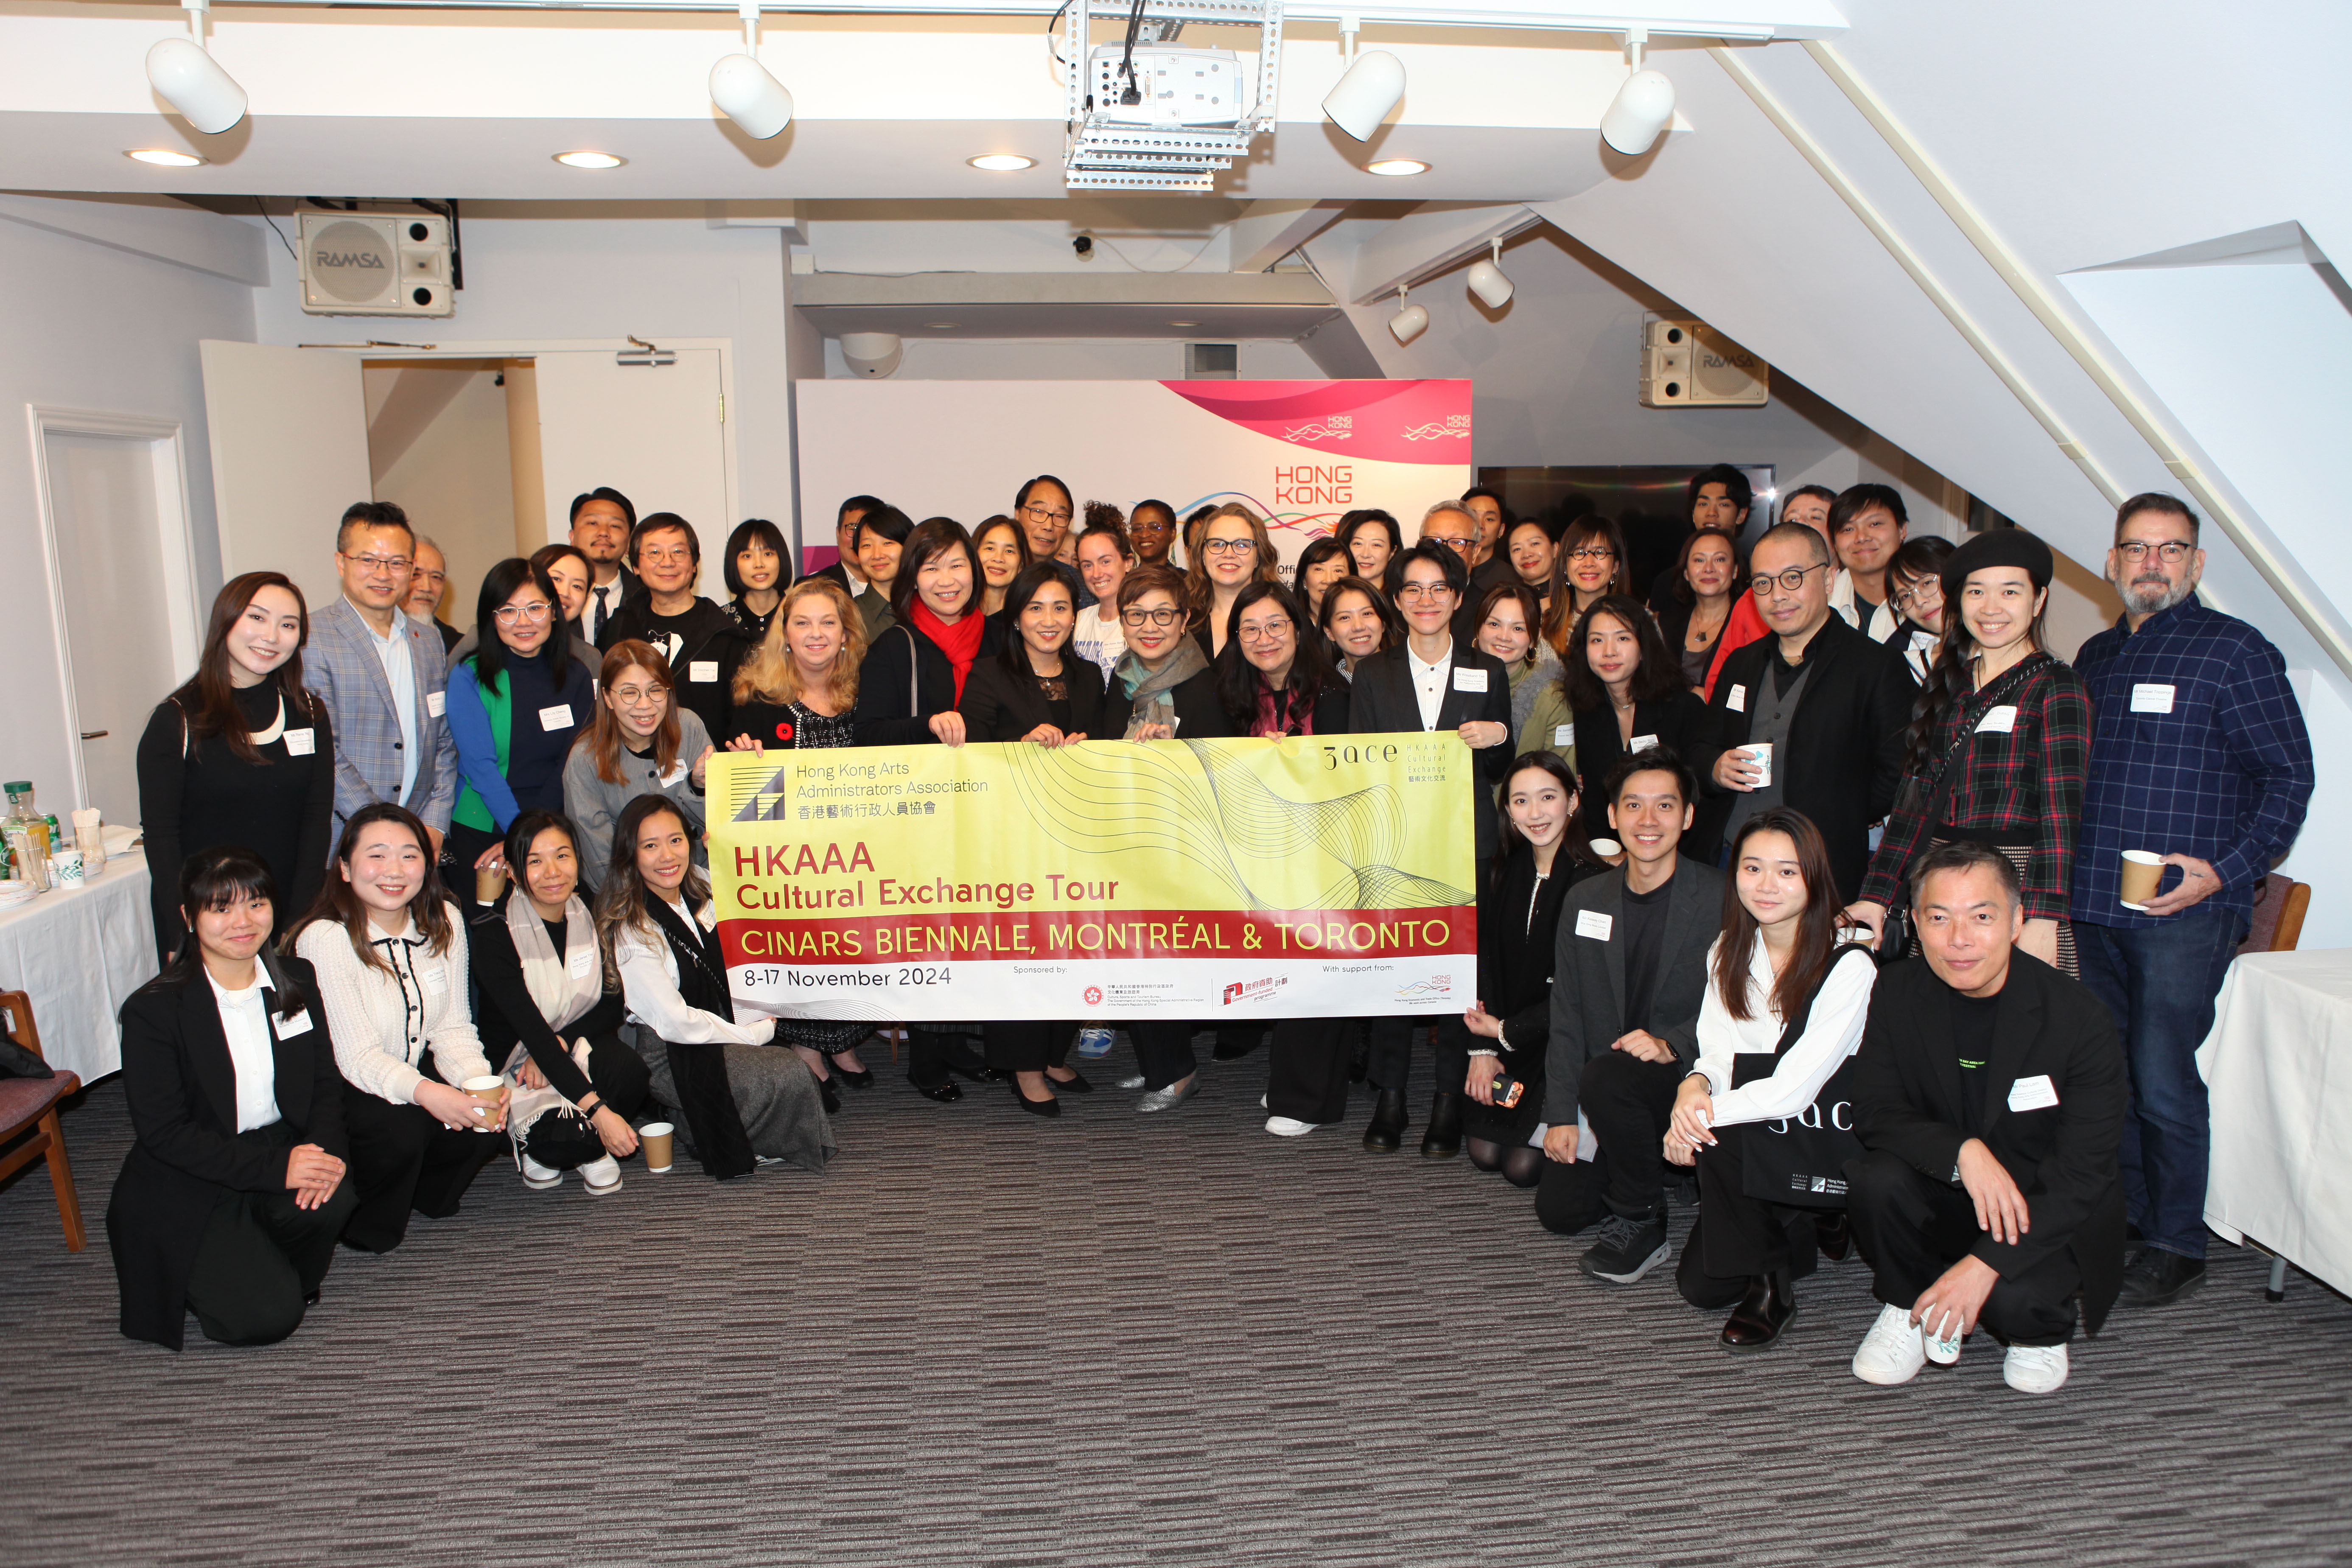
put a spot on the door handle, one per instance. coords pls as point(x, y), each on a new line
point(93, 734)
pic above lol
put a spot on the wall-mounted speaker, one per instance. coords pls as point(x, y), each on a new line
point(375, 264)
point(1689, 364)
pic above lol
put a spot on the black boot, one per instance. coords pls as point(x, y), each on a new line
point(1762, 1313)
point(1441, 1140)
point(1385, 1131)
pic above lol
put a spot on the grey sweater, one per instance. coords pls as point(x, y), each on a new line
point(595, 805)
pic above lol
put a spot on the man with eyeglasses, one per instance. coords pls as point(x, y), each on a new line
point(2199, 752)
point(427, 577)
point(701, 641)
point(1812, 714)
point(383, 676)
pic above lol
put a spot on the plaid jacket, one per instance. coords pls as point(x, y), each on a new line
point(2214, 761)
point(342, 667)
point(2027, 778)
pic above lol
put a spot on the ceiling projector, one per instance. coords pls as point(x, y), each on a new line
point(1172, 86)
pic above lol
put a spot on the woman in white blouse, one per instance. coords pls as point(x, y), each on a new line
point(1764, 1114)
point(743, 1100)
point(389, 949)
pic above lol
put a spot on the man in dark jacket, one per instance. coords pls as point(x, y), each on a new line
point(701, 641)
point(1989, 1096)
point(1830, 703)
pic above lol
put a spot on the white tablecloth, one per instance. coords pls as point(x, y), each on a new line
point(79, 953)
point(2278, 1065)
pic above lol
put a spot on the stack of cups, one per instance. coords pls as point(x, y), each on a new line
point(90, 837)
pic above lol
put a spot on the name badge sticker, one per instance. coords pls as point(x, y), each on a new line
point(2035, 1093)
point(702, 670)
point(300, 1024)
point(1643, 743)
point(1563, 734)
point(581, 960)
point(677, 770)
point(559, 717)
point(1737, 701)
point(1998, 721)
point(1594, 924)
point(435, 980)
point(2148, 697)
point(1469, 680)
point(436, 704)
point(301, 743)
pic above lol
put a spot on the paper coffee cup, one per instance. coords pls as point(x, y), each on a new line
point(490, 1092)
point(67, 864)
point(1761, 752)
point(656, 1138)
point(1607, 848)
point(489, 881)
point(2142, 871)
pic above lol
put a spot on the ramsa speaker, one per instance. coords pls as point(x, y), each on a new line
point(1689, 364)
point(375, 264)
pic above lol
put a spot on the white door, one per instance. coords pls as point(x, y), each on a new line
point(123, 603)
point(654, 433)
point(289, 452)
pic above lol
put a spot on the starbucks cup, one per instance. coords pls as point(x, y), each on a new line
point(2142, 871)
point(656, 1139)
point(1760, 753)
point(487, 1092)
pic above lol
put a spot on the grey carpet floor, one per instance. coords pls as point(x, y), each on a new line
point(981, 1338)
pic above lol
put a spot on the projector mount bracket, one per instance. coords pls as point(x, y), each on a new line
point(1116, 145)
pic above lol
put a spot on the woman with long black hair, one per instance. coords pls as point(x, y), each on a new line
point(1785, 1005)
point(1372, 539)
point(242, 754)
point(234, 1192)
point(744, 1102)
point(756, 566)
point(514, 706)
point(1272, 679)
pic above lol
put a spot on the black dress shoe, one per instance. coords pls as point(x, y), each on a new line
point(862, 1078)
point(1761, 1314)
point(2155, 1277)
point(1232, 1050)
point(1832, 1235)
point(1442, 1138)
point(978, 1071)
point(1075, 1083)
point(311, 1299)
point(945, 1092)
point(1385, 1131)
point(1048, 1107)
point(830, 1092)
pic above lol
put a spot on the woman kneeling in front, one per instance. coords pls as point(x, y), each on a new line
point(233, 1193)
point(743, 1101)
point(390, 952)
point(1783, 1012)
point(548, 1015)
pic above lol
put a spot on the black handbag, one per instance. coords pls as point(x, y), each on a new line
point(1800, 1159)
point(17, 1061)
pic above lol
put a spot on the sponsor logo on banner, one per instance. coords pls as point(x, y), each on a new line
point(1425, 990)
point(1251, 990)
point(1094, 996)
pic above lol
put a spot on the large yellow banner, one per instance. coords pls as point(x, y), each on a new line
point(1110, 879)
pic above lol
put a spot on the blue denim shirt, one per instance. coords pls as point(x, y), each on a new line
point(2214, 763)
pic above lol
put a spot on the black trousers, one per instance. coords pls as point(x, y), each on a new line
point(1023, 1046)
point(1912, 1227)
point(402, 1159)
point(260, 1255)
point(1628, 1102)
point(1391, 1053)
point(1306, 1070)
point(1164, 1050)
point(930, 1052)
point(1736, 1238)
point(622, 1080)
point(1237, 1040)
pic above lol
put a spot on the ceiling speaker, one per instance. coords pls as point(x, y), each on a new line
point(375, 264)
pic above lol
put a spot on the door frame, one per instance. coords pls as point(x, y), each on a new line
point(175, 536)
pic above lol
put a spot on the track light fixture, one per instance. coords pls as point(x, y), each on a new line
point(1642, 106)
point(1369, 88)
point(1488, 281)
point(1411, 319)
point(192, 82)
point(742, 89)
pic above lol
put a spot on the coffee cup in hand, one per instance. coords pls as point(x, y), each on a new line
point(1760, 753)
point(489, 1093)
point(2142, 870)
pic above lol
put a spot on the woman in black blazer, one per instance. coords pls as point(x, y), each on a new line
point(1273, 680)
point(232, 1196)
point(1625, 690)
point(242, 754)
point(1038, 691)
point(913, 678)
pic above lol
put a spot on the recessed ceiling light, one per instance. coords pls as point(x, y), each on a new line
point(940, 326)
point(164, 157)
point(1002, 163)
point(1183, 323)
point(589, 160)
point(1394, 167)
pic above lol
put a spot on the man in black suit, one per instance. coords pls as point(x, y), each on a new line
point(603, 523)
point(1831, 704)
point(1627, 981)
point(1433, 682)
point(1988, 1094)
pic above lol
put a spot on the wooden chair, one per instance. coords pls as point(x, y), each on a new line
point(2279, 908)
point(31, 1103)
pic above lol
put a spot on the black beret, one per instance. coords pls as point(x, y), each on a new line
point(1997, 547)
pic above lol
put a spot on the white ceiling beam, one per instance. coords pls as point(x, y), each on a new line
point(1428, 240)
point(1269, 230)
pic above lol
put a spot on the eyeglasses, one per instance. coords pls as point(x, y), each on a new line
point(534, 611)
point(1592, 552)
point(1264, 631)
point(675, 555)
point(379, 565)
point(1046, 514)
point(1793, 579)
point(2172, 552)
point(1151, 618)
point(1455, 544)
point(1927, 590)
point(630, 696)
point(1228, 546)
point(1418, 591)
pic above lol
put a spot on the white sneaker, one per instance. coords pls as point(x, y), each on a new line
point(602, 1176)
point(1942, 1342)
point(1288, 1126)
point(537, 1177)
point(2035, 1368)
point(1892, 1351)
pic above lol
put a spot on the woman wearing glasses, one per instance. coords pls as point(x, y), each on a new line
point(1590, 563)
point(641, 743)
point(514, 706)
point(1232, 551)
point(1915, 586)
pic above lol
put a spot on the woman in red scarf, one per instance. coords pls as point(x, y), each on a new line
point(913, 676)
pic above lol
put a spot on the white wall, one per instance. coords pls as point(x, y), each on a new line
point(1071, 358)
point(93, 327)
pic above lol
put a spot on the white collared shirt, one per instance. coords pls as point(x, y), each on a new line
point(1429, 683)
point(400, 674)
point(249, 1052)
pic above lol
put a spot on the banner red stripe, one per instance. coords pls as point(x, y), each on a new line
point(1025, 935)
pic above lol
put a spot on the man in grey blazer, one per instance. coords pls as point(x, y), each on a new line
point(382, 676)
point(1627, 980)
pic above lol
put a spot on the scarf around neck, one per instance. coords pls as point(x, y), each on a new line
point(1150, 690)
point(959, 642)
point(563, 985)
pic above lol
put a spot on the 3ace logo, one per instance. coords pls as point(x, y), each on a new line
point(1094, 996)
